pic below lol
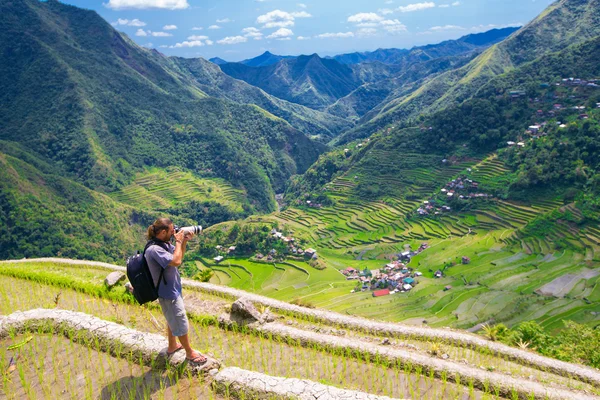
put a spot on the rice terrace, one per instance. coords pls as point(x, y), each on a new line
point(183, 219)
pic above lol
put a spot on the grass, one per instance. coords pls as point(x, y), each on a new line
point(259, 352)
point(511, 257)
point(168, 188)
point(233, 347)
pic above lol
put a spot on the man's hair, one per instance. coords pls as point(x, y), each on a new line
point(158, 225)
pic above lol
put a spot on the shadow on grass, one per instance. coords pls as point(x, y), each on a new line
point(138, 387)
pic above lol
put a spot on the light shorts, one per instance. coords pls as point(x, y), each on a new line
point(174, 312)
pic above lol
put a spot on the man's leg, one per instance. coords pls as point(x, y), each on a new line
point(190, 353)
point(172, 340)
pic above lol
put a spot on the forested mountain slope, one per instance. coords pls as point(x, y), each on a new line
point(563, 23)
point(82, 96)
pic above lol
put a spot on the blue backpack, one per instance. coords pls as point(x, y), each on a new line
point(140, 277)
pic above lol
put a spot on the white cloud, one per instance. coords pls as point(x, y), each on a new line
point(160, 34)
point(416, 7)
point(197, 28)
point(253, 33)
point(444, 5)
point(456, 3)
point(193, 43)
point(280, 24)
point(196, 37)
point(209, 42)
point(232, 40)
point(169, 27)
point(335, 35)
point(148, 45)
point(389, 2)
point(281, 33)
point(276, 19)
point(224, 21)
point(385, 11)
point(301, 14)
point(280, 19)
point(367, 24)
point(143, 4)
point(303, 38)
point(301, 5)
point(214, 27)
point(141, 32)
point(446, 28)
point(366, 32)
point(365, 17)
point(393, 25)
point(126, 22)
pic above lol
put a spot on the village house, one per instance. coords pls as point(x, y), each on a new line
point(381, 292)
point(218, 259)
point(310, 252)
point(466, 260)
point(438, 274)
point(231, 249)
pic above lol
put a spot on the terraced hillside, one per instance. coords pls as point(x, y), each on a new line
point(528, 260)
point(157, 189)
point(343, 352)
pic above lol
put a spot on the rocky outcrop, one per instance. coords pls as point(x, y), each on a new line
point(113, 278)
point(243, 312)
point(241, 383)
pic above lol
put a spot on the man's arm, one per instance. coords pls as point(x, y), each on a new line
point(181, 239)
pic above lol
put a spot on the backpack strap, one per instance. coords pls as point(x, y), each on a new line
point(163, 245)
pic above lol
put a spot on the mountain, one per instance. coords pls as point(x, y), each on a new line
point(551, 31)
point(318, 82)
point(79, 96)
point(369, 96)
point(446, 48)
point(264, 60)
point(309, 80)
point(214, 82)
point(217, 60)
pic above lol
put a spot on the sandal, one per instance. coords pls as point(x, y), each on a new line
point(170, 353)
point(199, 359)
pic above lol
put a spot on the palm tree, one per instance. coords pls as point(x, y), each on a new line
point(205, 275)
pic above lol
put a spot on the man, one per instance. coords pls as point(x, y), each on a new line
point(170, 258)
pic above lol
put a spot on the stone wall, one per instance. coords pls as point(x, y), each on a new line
point(460, 338)
point(248, 384)
point(111, 337)
point(151, 348)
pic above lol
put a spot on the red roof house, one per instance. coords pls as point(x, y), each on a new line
point(382, 292)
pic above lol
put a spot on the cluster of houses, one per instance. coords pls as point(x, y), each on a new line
point(308, 203)
point(292, 248)
point(580, 82)
point(461, 188)
point(537, 130)
point(394, 277)
point(220, 249)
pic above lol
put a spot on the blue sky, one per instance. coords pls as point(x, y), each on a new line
point(239, 29)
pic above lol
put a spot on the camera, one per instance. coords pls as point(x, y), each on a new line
point(196, 229)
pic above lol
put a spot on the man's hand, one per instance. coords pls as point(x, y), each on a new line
point(180, 236)
point(188, 235)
